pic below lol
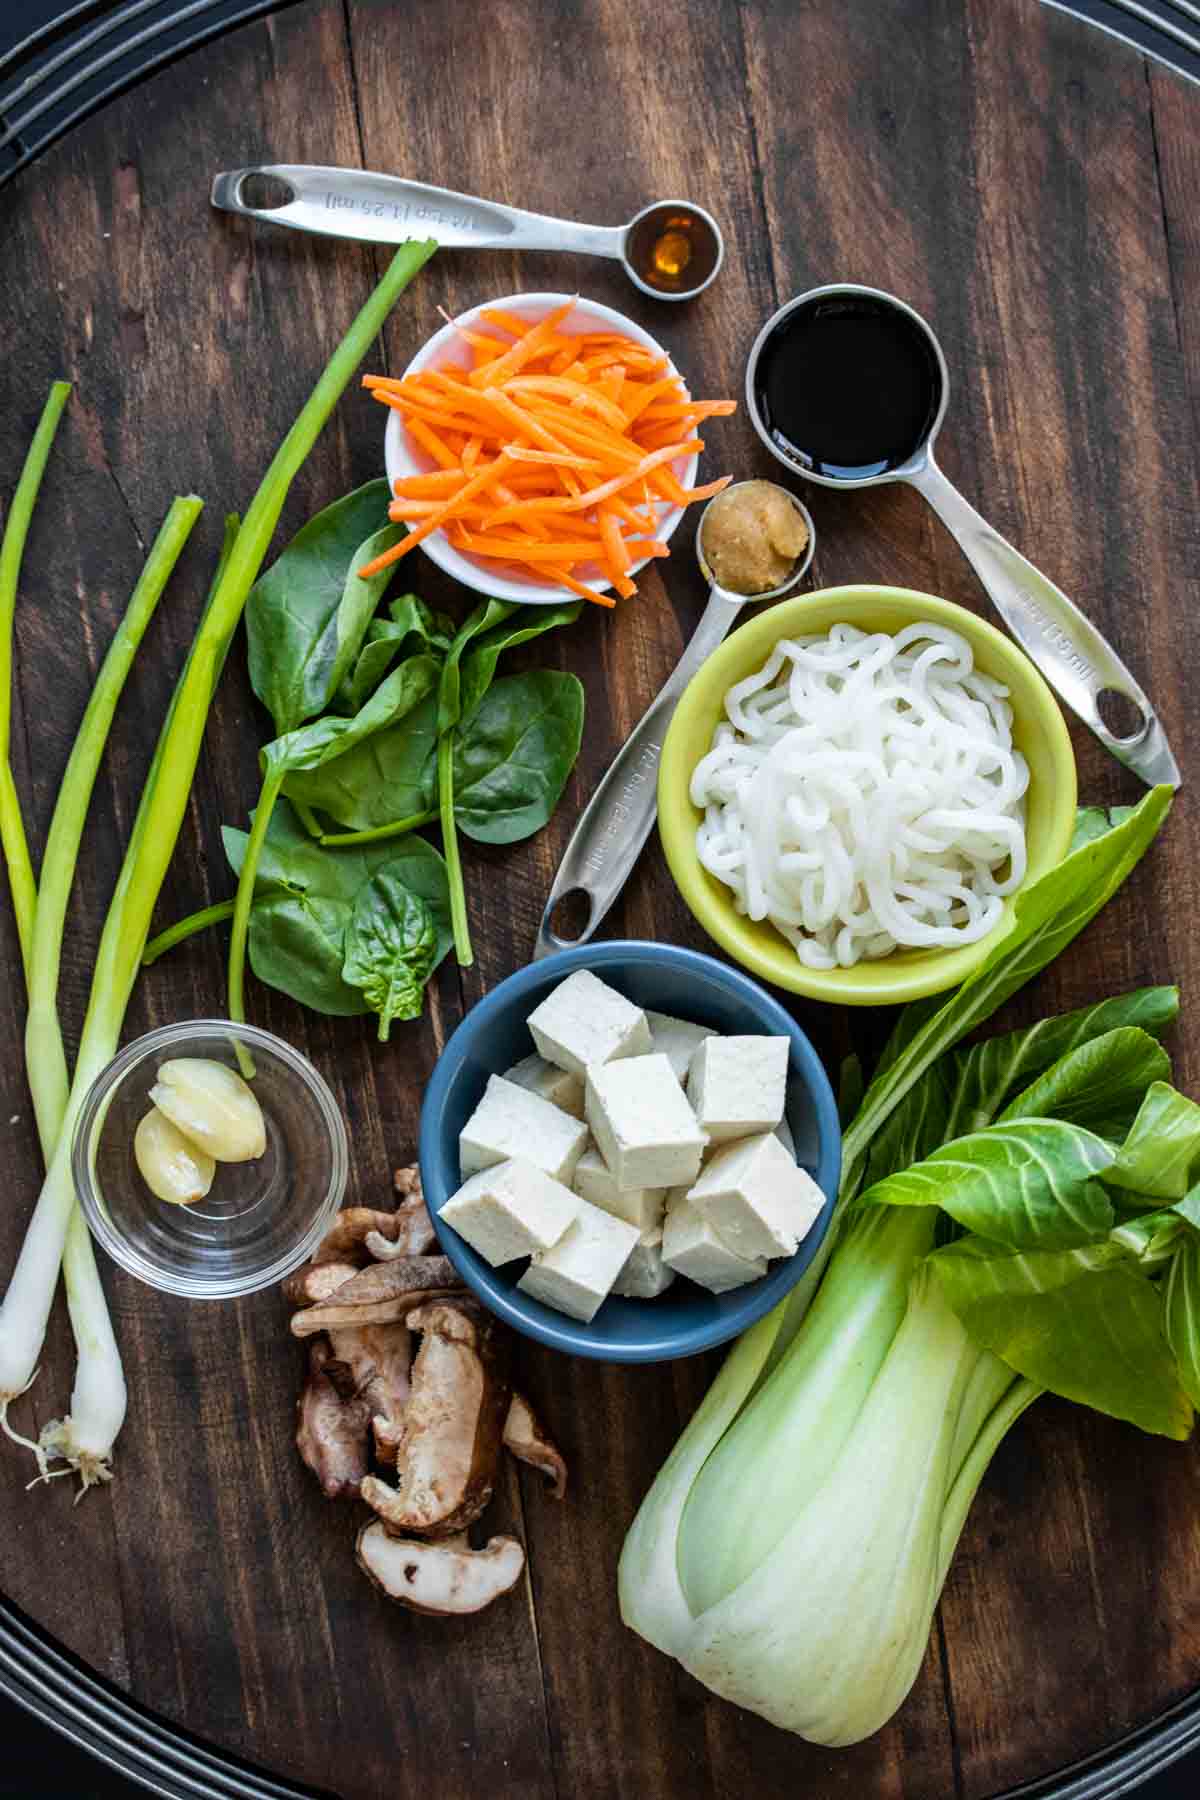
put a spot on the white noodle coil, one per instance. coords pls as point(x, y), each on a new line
point(863, 794)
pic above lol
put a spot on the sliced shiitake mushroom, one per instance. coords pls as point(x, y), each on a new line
point(382, 1294)
point(315, 1282)
point(449, 1450)
point(525, 1439)
point(332, 1428)
point(377, 1359)
point(345, 1240)
point(443, 1578)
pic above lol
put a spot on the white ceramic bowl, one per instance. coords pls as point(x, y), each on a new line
point(403, 457)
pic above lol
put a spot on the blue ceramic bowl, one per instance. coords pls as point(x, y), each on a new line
point(494, 1035)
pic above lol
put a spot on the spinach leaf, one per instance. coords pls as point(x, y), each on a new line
point(1028, 1184)
point(1099, 1340)
point(1046, 916)
point(479, 665)
point(308, 614)
point(1100, 1085)
point(312, 746)
point(513, 756)
point(1181, 1314)
point(487, 614)
point(390, 945)
point(297, 935)
point(392, 775)
point(1161, 1155)
point(412, 629)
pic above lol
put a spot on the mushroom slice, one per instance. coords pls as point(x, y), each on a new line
point(449, 1450)
point(316, 1282)
point(525, 1439)
point(413, 1231)
point(407, 1275)
point(333, 1314)
point(377, 1359)
point(346, 1237)
point(446, 1577)
point(331, 1433)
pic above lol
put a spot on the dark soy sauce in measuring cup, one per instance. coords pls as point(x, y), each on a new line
point(848, 387)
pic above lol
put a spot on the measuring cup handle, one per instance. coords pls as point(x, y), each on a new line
point(386, 209)
point(1078, 662)
point(618, 819)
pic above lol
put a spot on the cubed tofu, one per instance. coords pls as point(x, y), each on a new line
point(558, 1086)
point(677, 1040)
point(642, 1123)
point(691, 1247)
point(583, 1021)
point(511, 1209)
point(755, 1198)
point(645, 1275)
point(737, 1086)
point(643, 1207)
point(577, 1275)
point(510, 1121)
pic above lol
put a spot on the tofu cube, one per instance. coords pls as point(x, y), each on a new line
point(511, 1209)
point(677, 1040)
point(558, 1086)
point(584, 1021)
point(738, 1085)
point(645, 1275)
point(691, 1247)
point(755, 1198)
point(577, 1275)
point(642, 1123)
point(510, 1121)
point(643, 1207)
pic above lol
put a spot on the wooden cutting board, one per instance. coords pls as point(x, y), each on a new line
point(1030, 186)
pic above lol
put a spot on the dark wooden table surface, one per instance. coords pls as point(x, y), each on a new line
point(1031, 187)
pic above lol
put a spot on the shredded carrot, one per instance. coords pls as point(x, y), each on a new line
point(556, 453)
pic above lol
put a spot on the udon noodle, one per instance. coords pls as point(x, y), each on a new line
point(863, 794)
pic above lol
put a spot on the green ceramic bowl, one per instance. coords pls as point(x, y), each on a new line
point(1038, 731)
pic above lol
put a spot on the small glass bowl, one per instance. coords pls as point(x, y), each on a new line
point(261, 1219)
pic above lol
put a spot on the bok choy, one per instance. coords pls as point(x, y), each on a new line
point(793, 1548)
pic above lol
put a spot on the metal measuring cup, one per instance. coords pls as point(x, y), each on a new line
point(1076, 659)
point(387, 209)
point(619, 817)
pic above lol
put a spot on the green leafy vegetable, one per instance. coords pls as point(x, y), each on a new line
point(514, 754)
point(1099, 1085)
point(307, 894)
point(1099, 1341)
point(1182, 1315)
point(1028, 1183)
point(307, 616)
point(390, 945)
point(412, 629)
point(1046, 916)
point(1161, 1155)
point(479, 663)
point(391, 775)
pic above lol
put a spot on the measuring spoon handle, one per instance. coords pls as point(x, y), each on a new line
point(387, 209)
point(1076, 659)
point(620, 816)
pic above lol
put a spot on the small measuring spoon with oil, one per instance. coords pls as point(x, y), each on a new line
point(672, 249)
point(620, 816)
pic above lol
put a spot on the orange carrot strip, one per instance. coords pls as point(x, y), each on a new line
point(562, 360)
point(516, 357)
point(431, 443)
point(420, 487)
point(572, 391)
point(493, 472)
point(511, 322)
point(559, 458)
point(523, 421)
point(594, 496)
point(578, 587)
point(471, 449)
point(692, 409)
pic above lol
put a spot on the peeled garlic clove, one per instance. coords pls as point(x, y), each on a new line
point(172, 1168)
point(211, 1104)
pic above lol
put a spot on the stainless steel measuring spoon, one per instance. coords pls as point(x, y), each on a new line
point(386, 209)
point(620, 815)
point(1078, 662)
